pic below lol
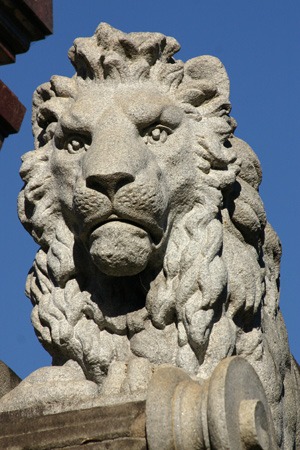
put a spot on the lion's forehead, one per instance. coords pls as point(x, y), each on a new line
point(142, 105)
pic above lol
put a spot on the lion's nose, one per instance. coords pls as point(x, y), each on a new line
point(109, 184)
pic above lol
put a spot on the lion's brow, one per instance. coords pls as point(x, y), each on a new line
point(76, 121)
point(143, 114)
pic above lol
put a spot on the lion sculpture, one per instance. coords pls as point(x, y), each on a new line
point(155, 248)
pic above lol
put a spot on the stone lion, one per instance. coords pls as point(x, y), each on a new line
point(155, 248)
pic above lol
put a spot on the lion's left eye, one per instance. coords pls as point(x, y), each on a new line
point(76, 145)
point(158, 134)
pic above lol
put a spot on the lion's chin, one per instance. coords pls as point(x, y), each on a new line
point(120, 248)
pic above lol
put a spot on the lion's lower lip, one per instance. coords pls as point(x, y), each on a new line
point(129, 222)
point(155, 238)
point(148, 224)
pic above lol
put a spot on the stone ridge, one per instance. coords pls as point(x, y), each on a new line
point(113, 427)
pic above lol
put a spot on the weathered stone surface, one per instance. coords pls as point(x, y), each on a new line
point(227, 411)
point(8, 379)
point(110, 427)
point(50, 389)
point(155, 248)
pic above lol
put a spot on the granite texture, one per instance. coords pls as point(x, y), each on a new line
point(109, 427)
point(154, 243)
point(8, 379)
point(227, 411)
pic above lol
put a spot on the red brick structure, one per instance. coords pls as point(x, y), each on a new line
point(11, 112)
point(21, 22)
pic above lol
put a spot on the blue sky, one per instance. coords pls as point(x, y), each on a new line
point(258, 42)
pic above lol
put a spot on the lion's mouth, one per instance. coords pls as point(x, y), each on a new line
point(152, 229)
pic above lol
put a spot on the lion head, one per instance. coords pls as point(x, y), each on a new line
point(153, 236)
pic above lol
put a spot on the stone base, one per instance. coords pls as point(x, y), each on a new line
point(228, 411)
point(107, 427)
point(8, 379)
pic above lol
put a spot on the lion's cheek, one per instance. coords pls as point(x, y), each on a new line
point(182, 175)
point(120, 249)
point(65, 171)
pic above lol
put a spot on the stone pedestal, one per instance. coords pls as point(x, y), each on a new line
point(108, 427)
point(8, 379)
point(227, 411)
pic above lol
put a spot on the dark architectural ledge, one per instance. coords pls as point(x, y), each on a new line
point(11, 112)
point(21, 22)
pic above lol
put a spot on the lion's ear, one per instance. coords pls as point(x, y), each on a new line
point(208, 69)
point(41, 95)
point(49, 103)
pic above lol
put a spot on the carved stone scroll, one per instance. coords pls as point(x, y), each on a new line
point(228, 411)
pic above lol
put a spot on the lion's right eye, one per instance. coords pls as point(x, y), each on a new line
point(157, 134)
point(76, 144)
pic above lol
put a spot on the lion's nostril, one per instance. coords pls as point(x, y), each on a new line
point(109, 184)
point(92, 182)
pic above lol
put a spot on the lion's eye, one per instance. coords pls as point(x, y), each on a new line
point(158, 134)
point(76, 144)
